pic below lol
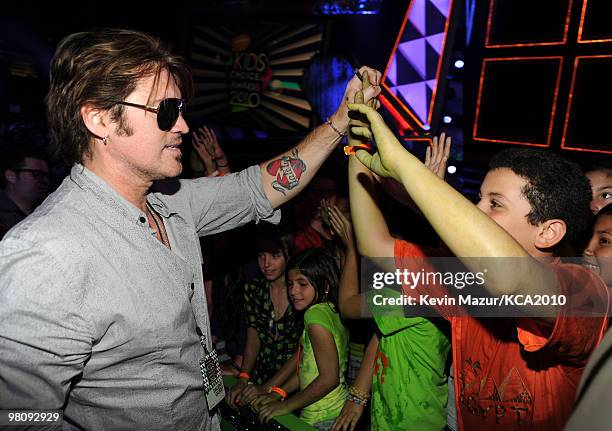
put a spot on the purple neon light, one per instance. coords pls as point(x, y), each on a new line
point(442, 5)
point(417, 15)
point(413, 78)
point(414, 52)
point(392, 72)
point(436, 41)
point(416, 97)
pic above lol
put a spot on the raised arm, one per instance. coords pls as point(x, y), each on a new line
point(371, 230)
point(436, 159)
point(286, 175)
point(209, 151)
point(352, 305)
point(467, 231)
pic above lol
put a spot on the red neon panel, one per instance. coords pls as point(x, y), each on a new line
point(580, 28)
point(402, 124)
point(554, 104)
point(564, 145)
point(512, 45)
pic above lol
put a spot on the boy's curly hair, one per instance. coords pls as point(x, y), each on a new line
point(556, 188)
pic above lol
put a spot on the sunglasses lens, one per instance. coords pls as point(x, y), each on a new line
point(169, 111)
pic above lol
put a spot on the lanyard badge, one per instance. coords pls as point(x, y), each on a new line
point(211, 375)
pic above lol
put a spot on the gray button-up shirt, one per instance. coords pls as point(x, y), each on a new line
point(98, 318)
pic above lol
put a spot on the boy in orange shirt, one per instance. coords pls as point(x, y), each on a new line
point(513, 373)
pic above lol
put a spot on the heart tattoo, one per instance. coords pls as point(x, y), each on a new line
point(287, 170)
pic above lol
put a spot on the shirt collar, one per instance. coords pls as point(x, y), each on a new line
point(159, 205)
point(85, 178)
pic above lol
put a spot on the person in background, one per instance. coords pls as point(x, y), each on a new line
point(24, 184)
point(208, 160)
point(210, 153)
point(598, 254)
point(592, 410)
point(317, 369)
point(311, 230)
point(600, 177)
point(274, 327)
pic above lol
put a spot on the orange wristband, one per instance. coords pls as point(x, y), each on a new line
point(351, 150)
point(244, 375)
point(279, 391)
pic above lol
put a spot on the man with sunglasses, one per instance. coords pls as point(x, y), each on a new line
point(24, 184)
point(112, 326)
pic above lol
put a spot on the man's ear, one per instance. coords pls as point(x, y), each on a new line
point(550, 233)
point(10, 176)
point(95, 121)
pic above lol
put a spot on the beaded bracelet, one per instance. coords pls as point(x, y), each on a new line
point(335, 129)
point(357, 400)
point(244, 375)
point(358, 393)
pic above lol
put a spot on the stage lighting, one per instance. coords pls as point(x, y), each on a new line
point(451, 169)
point(459, 64)
point(347, 7)
point(447, 119)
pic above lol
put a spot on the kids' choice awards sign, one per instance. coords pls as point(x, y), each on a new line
point(249, 75)
point(252, 76)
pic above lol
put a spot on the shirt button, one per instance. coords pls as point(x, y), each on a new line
point(142, 219)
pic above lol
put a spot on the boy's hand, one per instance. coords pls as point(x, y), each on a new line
point(385, 162)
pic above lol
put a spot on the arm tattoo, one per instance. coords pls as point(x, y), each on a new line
point(287, 172)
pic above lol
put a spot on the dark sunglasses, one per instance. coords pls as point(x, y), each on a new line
point(36, 173)
point(167, 112)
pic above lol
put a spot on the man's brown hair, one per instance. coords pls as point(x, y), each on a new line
point(100, 68)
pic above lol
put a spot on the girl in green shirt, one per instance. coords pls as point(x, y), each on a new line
point(318, 367)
